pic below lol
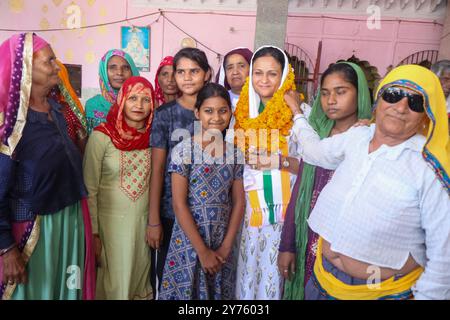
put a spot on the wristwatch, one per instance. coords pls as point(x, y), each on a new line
point(284, 164)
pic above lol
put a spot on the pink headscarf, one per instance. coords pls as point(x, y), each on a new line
point(15, 53)
point(11, 66)
point(159, 94)
point(123, 136)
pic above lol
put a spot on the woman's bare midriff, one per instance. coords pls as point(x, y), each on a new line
point(362, 270)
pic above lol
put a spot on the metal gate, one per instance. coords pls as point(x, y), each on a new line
point(424, 58)
point(306, 72)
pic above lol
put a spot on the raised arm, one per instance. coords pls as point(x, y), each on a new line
point(326, 153)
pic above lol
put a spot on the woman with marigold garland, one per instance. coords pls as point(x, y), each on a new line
point(263, 131)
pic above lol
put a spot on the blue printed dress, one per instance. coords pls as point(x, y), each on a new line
point(209, 198)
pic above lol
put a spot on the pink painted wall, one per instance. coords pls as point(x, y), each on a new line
point(86, 46)
point(444, 50)
point(342, 38)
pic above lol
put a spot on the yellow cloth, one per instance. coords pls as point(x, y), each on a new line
point(437, 149)
point(342, 291)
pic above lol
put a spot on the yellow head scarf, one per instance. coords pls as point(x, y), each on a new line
point(436, 150)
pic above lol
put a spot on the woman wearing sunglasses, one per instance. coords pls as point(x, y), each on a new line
point(384, 218)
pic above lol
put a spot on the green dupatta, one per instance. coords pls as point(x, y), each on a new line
point(98, 106)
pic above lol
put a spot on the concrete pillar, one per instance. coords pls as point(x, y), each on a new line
point(271, 19)
point(444, 50)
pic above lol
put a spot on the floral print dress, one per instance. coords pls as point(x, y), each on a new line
point(209, 199)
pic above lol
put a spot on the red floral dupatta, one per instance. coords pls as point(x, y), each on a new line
point(123, 136)
point(159, 94)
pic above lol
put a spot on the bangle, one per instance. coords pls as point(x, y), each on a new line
point(153, 225)
point(3, 251)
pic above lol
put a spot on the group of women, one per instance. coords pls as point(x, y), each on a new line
point(292, 202)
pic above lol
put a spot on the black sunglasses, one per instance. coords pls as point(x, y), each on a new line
point(395, 94)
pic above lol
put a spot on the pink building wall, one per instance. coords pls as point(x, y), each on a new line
point(221, 32)
point(341, 39)
point(86, 46)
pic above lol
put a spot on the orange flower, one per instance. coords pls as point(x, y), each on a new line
point(276, 115)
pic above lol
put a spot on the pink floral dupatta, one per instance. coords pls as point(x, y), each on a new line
point(15, 87)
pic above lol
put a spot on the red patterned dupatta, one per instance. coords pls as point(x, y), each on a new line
point(123, 136)
point(159, 94)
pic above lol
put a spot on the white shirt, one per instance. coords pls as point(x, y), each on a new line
point(234, 99)
point(229, 137)
point(381, 207)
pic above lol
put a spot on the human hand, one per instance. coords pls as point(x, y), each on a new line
point(224, 252)
point(362, 122)
point(154, 236)
point(292, 99)
point(97, 249)
point(286, 264)
point(211, 262)
point(14, 270)
point(263, 160)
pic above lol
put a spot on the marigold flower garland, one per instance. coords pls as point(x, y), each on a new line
point(276, 115)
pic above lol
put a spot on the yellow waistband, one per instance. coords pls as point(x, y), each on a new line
point(342, 291)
